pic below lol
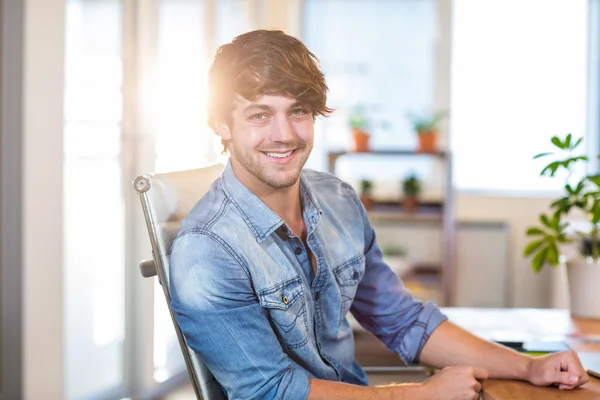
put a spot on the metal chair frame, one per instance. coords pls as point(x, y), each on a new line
point(205, 385)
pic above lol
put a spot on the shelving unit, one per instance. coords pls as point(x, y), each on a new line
point(422, 279)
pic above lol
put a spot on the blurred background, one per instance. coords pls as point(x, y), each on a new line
point(95, 92)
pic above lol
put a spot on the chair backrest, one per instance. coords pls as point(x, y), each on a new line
point(166, 199)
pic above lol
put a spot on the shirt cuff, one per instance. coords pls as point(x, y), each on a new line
point(298, 387)
point(414, 340)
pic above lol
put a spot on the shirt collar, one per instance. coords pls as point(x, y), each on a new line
point(261, 220)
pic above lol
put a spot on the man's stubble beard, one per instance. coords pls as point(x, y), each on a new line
point(250, 164)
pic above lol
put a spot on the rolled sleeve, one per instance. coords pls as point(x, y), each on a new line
point(220, 317)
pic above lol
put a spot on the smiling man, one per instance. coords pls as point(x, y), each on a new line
point(273, 257)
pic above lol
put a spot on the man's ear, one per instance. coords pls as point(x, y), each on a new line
point(223, 130)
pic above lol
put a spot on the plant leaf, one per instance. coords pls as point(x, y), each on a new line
point(555, 220)
point(552, 254)
point(534, 231)
point(595, 179)
point(552, 167)
point(556, 141)
point(533, 246)
point(546, 221)
point(540, 258)
point(545, 154)
point(569, 189)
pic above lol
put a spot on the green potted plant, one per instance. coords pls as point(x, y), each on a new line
point(411, 188)
point(366, 187)
point(581, 197)
point(359, 123)
point(427, 128)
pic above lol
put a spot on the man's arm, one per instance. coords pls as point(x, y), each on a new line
point(451, 345)
point(328, 390)
point(451, 383)
point(218, 312)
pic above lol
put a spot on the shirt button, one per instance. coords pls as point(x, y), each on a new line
point(317, 295)
point(284, 299)
point(298, 251)
point(355, 275)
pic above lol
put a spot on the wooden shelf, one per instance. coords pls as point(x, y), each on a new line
point(394, 212)
point(402, 216)
point(402, 152)
point(332, 156)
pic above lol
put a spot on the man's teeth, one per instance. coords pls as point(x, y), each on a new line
point(280, 155)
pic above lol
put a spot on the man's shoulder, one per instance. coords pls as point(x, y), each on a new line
point(324, 184)
point(211, 211)
point(320, 178)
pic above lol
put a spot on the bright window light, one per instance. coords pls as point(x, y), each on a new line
point(518, 78)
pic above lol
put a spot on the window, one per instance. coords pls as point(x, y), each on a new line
point(94, 203)
point(380, 55)
point(518, 78)
point(185, 49)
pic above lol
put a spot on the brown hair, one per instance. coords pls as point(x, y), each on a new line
point(264, 62)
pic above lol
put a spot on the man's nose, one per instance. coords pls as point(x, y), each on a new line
point(283, 130)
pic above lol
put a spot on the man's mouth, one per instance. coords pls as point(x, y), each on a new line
point(279, 155)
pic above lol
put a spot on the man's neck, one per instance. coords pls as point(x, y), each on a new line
point(285, 203)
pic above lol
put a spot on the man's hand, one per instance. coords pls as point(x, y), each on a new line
point(455, 383)
point(563, 369)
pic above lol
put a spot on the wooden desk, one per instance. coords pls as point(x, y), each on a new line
point(491, 323)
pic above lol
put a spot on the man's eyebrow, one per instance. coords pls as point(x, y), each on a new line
point(298, 103)
point(257, 106)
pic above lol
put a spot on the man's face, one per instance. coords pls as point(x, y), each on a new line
point(269, 140)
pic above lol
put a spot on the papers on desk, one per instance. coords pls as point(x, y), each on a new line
point(505, 325)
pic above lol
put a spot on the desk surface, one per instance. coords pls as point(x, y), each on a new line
point(531, 324)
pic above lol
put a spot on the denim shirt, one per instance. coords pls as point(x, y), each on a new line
point(246, 300)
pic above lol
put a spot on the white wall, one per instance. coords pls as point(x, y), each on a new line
point(42, 199)
point(526, 289)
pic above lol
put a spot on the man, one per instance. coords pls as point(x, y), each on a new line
point(271, 259)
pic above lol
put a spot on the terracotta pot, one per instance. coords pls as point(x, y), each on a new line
point(360, 141)
point(427, 142)
point(409, 204)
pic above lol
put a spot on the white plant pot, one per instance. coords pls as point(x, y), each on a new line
point(584, 288)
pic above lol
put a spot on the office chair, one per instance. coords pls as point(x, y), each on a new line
point(166, 199)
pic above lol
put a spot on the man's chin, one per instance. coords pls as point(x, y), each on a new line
point(282, 182)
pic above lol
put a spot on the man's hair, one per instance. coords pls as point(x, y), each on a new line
point(264, 62)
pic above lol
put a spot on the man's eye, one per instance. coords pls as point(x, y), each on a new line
point(258, 117)
point(298, 111)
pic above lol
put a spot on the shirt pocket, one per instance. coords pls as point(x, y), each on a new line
point(348, 276)
point(287, 311)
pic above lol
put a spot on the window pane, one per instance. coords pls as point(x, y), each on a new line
point(378, 54)
point(518, 78)
point(94, 209)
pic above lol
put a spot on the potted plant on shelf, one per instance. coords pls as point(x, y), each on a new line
point(581, 196)
point(411, 188)
point(427, 128)
point(359, 124)
point(366, 187)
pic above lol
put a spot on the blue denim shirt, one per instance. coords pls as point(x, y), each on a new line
point(245, 298)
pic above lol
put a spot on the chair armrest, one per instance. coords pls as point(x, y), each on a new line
point(148, 268)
